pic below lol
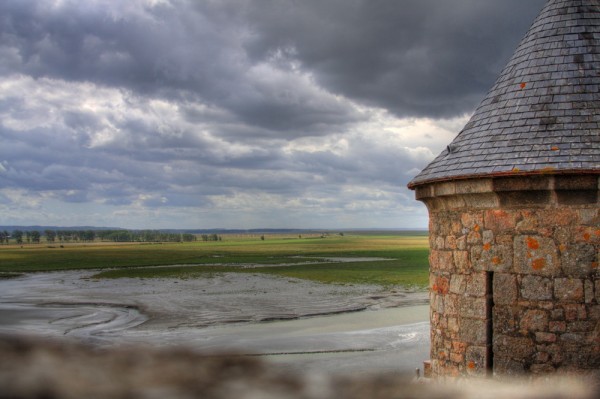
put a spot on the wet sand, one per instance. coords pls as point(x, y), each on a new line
point(298, 324)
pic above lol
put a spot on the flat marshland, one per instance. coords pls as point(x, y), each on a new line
point(328, 304)
point(386, 260)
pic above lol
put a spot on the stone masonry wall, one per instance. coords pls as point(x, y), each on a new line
point(514, 274)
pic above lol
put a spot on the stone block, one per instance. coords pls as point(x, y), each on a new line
point(440, 284)
point(505, 365)
point(557, 314)
point(542, 369)
point(452, 304)
point(474, 186)
point(475, 359)
point(505, 289)
point(453, 326)
point(576, 197)
point(424, 191)
point(518, 348)
point(450, 242)
point(578, 259)
point(473, 307)
point(481, 201)
point(458, 283)
point(542, 357)
point(500, 220)
point(524, 183)
point(536, 288)
point(519, 199)
point(497, 258)
point(439, 242)
point(437, 303)
point(505, 320)
point(457, 357)
point(536, 255)
point(442, 260)
point(568, 290)
point(473, 331)
point(461, 261)
point(558, 216)
point(545, 337)
point(444, 189)
point(588, 287)
point(578, 182)
point(594, 312)
point(455, 202)
point(534, 320)
point(474, 237)
point(582, 326)
point(472, 220)
point(575, 312)
point(589, 216)
point(557, 326)
point(527, 221)
point(476, 285)
point(487, 236)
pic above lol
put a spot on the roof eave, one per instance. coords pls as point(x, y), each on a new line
point(547, 171)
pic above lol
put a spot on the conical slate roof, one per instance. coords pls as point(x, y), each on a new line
point(543, 113)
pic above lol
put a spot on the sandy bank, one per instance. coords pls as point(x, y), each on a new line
point(293, 322)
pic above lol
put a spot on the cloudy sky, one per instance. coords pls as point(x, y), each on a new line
point(238, 113)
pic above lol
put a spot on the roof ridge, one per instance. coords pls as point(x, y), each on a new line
point(543, 112)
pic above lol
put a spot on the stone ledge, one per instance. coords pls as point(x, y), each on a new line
point(511, 192)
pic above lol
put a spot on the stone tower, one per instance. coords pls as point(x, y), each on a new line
point(514, 211)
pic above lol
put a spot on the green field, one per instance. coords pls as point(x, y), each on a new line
point(403, 258)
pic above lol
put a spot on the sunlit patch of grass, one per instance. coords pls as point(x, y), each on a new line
point(405, 261)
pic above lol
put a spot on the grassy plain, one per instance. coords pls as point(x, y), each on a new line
point(402, 258)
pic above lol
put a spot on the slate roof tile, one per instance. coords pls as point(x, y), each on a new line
point(544, 110)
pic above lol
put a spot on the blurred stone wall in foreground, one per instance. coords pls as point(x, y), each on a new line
point(52, 370)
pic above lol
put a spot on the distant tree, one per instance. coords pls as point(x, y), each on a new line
point(50, 235)
point(35, 237)
point(262, 238)
point(6, 236)
point(28, 236)
point(187, 237)
point(89, 235)
point(18, 234)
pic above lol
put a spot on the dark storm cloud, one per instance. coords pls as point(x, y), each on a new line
point(173, 50)
point(257, 112)
point(416, 57)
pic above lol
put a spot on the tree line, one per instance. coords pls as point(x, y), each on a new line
point(65, 236)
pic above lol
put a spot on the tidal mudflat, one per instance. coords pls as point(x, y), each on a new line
point(297, 323)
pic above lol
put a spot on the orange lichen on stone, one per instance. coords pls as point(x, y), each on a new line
point(441, 285)
point(532, 243)
point(562, 247)
point(549, 169)
point(594, 265)
point(487, 246)
point(587, 236)
point(523, 85)
point(476, 227)
point(496, 260)
point(555, 148)
point(538, 264)
point(471, 365)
